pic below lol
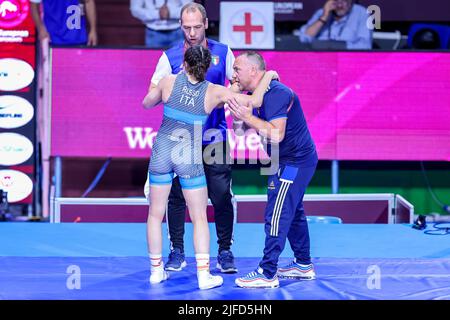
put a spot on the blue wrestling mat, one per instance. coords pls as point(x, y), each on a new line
point(38, 261)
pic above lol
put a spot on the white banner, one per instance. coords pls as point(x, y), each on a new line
point(247, 25)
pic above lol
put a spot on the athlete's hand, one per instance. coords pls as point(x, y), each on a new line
point(240, 112)
point(275, 75)
point(92, 38)
point(43, 33)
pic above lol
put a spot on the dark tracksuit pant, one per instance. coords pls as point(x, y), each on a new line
point(285, 216)
point(218, 179)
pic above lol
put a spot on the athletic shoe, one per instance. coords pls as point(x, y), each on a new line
point(158, 275)
point(225, 262)
point(176, 261)
point(257, 279)
point(297, 271)
point(207, 281)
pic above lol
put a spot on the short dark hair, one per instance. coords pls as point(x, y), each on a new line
point(192, 7)
point(256, 57)
point(198, 60)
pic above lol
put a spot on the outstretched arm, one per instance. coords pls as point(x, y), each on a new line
point(256, 99)
point(223, 95)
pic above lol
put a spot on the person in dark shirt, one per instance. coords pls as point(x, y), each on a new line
point(280, 120)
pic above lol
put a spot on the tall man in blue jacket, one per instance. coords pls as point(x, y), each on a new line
point(194, 22)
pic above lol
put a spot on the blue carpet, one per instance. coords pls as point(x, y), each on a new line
point(128, 239)
point(351, 261)
point(126, 278)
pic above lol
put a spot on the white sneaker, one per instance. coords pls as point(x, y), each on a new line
point(297, 271)
point(207, 281)
point(158, 275)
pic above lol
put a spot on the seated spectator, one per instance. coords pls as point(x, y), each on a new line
point(339, 20)
point(161, 18)
point(65, 21)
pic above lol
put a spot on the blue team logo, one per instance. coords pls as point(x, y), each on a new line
point(215, 60)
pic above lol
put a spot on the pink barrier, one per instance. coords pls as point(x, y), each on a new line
point(359, 105)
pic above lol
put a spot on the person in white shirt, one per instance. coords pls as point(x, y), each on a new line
point(161, 18)
point(339, 20)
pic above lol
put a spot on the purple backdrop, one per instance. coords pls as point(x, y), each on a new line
point(359, 105)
